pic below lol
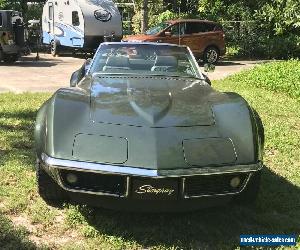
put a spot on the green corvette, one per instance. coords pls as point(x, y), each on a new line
point(141, 128)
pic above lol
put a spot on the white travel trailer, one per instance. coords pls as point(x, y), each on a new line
point(80, 24)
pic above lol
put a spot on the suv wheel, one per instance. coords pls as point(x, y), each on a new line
point(211, 55)
point(50, 192)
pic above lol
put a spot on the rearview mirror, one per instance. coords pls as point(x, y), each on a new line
point(209, 67)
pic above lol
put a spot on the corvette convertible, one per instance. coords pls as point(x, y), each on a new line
point(141, 128)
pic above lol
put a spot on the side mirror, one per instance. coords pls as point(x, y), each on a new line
point(75, 78)
point(79, 74)
point(209, 67)
point(168, 33)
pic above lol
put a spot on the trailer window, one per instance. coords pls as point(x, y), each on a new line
point(50, 12)
point(75, 18)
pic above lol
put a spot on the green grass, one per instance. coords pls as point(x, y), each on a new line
point(281, 76)
point(277, 209)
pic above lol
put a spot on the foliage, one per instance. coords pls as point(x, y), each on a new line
point(253, 40)
point(158, 18)
point(277, 76)
point(168, 15)
point(268, 28)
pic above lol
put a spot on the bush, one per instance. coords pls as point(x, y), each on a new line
point(277, 76)
point(252, 40)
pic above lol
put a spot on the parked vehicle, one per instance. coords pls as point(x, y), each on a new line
point(141, 128)
point(205, 38)
point(12, 36)
point(80, 24)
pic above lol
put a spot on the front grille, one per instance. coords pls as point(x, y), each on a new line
point(213, 184)
point(94, 182)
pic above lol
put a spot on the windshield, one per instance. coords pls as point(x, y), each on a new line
point(144, 59)
point(157, 28)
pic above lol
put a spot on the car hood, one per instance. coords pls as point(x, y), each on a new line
point(151, 101)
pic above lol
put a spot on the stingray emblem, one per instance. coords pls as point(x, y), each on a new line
point(150, 104)
point(148, 189)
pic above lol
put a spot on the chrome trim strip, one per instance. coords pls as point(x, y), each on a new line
point(127, 186)
point(183, 187)
point(232, 193)
point(133, 171)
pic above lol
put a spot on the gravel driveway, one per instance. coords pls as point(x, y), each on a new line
point(49, 73)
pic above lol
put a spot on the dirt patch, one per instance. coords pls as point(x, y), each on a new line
point(41, 236)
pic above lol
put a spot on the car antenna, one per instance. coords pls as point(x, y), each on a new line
point(179, 26)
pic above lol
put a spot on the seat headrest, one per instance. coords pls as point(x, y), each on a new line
point(170, 61)
point(117, 61)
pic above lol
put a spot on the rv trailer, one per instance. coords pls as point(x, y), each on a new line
point(12, 35)
point(80, 24)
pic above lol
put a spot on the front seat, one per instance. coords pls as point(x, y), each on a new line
point(165, 63)
point(117, 64)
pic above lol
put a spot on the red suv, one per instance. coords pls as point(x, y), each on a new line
point(205, 38)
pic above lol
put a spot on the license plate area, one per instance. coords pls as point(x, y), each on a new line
point(155, 188)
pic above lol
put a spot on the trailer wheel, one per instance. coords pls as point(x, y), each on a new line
point(54, 48)
point(10, 58)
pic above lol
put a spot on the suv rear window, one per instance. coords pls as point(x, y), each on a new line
point(199, 27)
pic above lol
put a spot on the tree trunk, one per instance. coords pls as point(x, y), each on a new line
point(144, 24)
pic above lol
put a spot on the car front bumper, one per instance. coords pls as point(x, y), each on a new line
point(142, 185)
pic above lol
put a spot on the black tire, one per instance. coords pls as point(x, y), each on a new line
point(211, 55)
point(50, 192)
point(54, 48)
point(249, 194)
point(10, 58)
point(260, 127)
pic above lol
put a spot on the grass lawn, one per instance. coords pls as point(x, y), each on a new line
point(77, 227)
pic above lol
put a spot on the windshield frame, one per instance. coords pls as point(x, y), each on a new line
point(193, 61)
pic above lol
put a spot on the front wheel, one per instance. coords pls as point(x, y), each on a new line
point(249, 194)
point(10, 58)
point(50, 192)
point(211, 55)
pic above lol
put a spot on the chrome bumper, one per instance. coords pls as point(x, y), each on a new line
point(54, 165)
point(133, 171)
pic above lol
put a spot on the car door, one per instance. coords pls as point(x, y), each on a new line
point(197, 36)
point(173, 34)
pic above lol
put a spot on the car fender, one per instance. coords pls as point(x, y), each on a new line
point(235, 120)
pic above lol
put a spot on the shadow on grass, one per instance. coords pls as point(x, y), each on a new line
point(224, 63)
point(18, 135)
point(277, 211)
point(13, 238)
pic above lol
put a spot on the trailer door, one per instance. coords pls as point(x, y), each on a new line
point(51, 17)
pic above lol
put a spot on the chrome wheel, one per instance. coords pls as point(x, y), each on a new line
point(211, 55)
